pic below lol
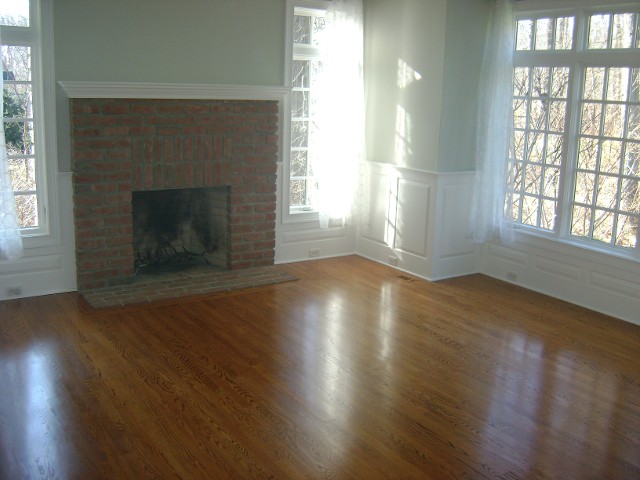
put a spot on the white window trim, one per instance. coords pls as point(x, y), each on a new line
point(39, 34)
point(582, 8)
point(554, 6)
point(289, 216)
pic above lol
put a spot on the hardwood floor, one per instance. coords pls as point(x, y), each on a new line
point(354, 371)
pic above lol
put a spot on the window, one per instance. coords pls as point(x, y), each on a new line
point(308, 26)
point(23, 110)
point(575, 166)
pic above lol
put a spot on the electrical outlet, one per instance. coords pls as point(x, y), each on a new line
point(13, 291)
point(314, 252)
point(393, 260)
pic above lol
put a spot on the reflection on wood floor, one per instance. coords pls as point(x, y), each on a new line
point(354, 371)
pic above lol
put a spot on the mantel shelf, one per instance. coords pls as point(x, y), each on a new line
point(172, 91)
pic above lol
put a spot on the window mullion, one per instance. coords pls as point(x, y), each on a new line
point(574, 107)
point(569, 155)
point(582, 32)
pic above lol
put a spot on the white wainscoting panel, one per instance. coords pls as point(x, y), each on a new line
point(455, 240)
point(412, 217)
point(616, 284)
point(379, 209)
point(555, 266)
point(417, 221)
point(299, 240)
point(398, 218)
point(50, 269)
point(508, 254)
point(454, 253)
point(595, 280)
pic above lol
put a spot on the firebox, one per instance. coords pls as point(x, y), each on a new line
point(179, 228)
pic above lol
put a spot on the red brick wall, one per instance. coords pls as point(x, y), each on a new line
point(123, 145)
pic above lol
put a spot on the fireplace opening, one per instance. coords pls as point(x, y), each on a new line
point(177, 229)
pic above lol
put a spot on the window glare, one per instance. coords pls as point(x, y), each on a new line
point(553, 33)
point(308, 30)
point(599, 31)
point(524, 35)
point(301, 30)
point(22, 114)
point(595, 160)
point(14, 12)
point(564, 33)
point(544, 33)
point(623, 26)
point(617, 31)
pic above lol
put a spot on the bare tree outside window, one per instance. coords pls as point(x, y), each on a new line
point(540, 106)
point(599, 162)
point(308, 28)
point(18, 117)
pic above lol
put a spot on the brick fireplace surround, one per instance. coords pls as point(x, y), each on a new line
point(125, 145)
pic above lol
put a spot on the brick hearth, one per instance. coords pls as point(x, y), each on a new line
point(125, 145)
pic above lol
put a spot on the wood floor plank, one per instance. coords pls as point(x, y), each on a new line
point(356, 370)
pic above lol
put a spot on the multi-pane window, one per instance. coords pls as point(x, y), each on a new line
point(540, 109)
point(606, 201)
point(574, 169)
point(20, 110)
point(308, 26)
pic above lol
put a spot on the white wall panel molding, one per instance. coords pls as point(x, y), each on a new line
point(418, 221)
point(28, 265)
point(554, 266)
point(398, 218)
point(376, 209)
point(454, 252)
point(297, 241)
point(456, 240)
point(601, 282)
point(298, 236)
point(50, 269)
point(306, 243)
point(411, 223)
point(509, 254)
point(617, 284)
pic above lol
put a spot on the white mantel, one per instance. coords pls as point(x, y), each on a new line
point(172, 91)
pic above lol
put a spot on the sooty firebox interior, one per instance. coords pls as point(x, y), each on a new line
point(179, 228)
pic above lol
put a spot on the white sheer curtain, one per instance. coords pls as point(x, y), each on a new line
point(495, 130)
point(340, 112)
point(10, 239)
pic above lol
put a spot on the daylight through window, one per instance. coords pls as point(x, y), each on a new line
point(575, 166)
point(308, 26)
point(21, 110)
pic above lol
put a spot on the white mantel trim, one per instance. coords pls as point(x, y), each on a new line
point(172, 91)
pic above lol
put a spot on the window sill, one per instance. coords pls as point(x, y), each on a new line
point(301, 216)
point(538, 239)
point(35, 244)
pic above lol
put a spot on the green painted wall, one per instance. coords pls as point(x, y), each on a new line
point(187, 41)
point(404, 56)
point(422, 60)
point(224, 42)
point(429, 123)
point(464, 45)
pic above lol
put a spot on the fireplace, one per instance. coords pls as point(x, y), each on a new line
point(122, 149)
